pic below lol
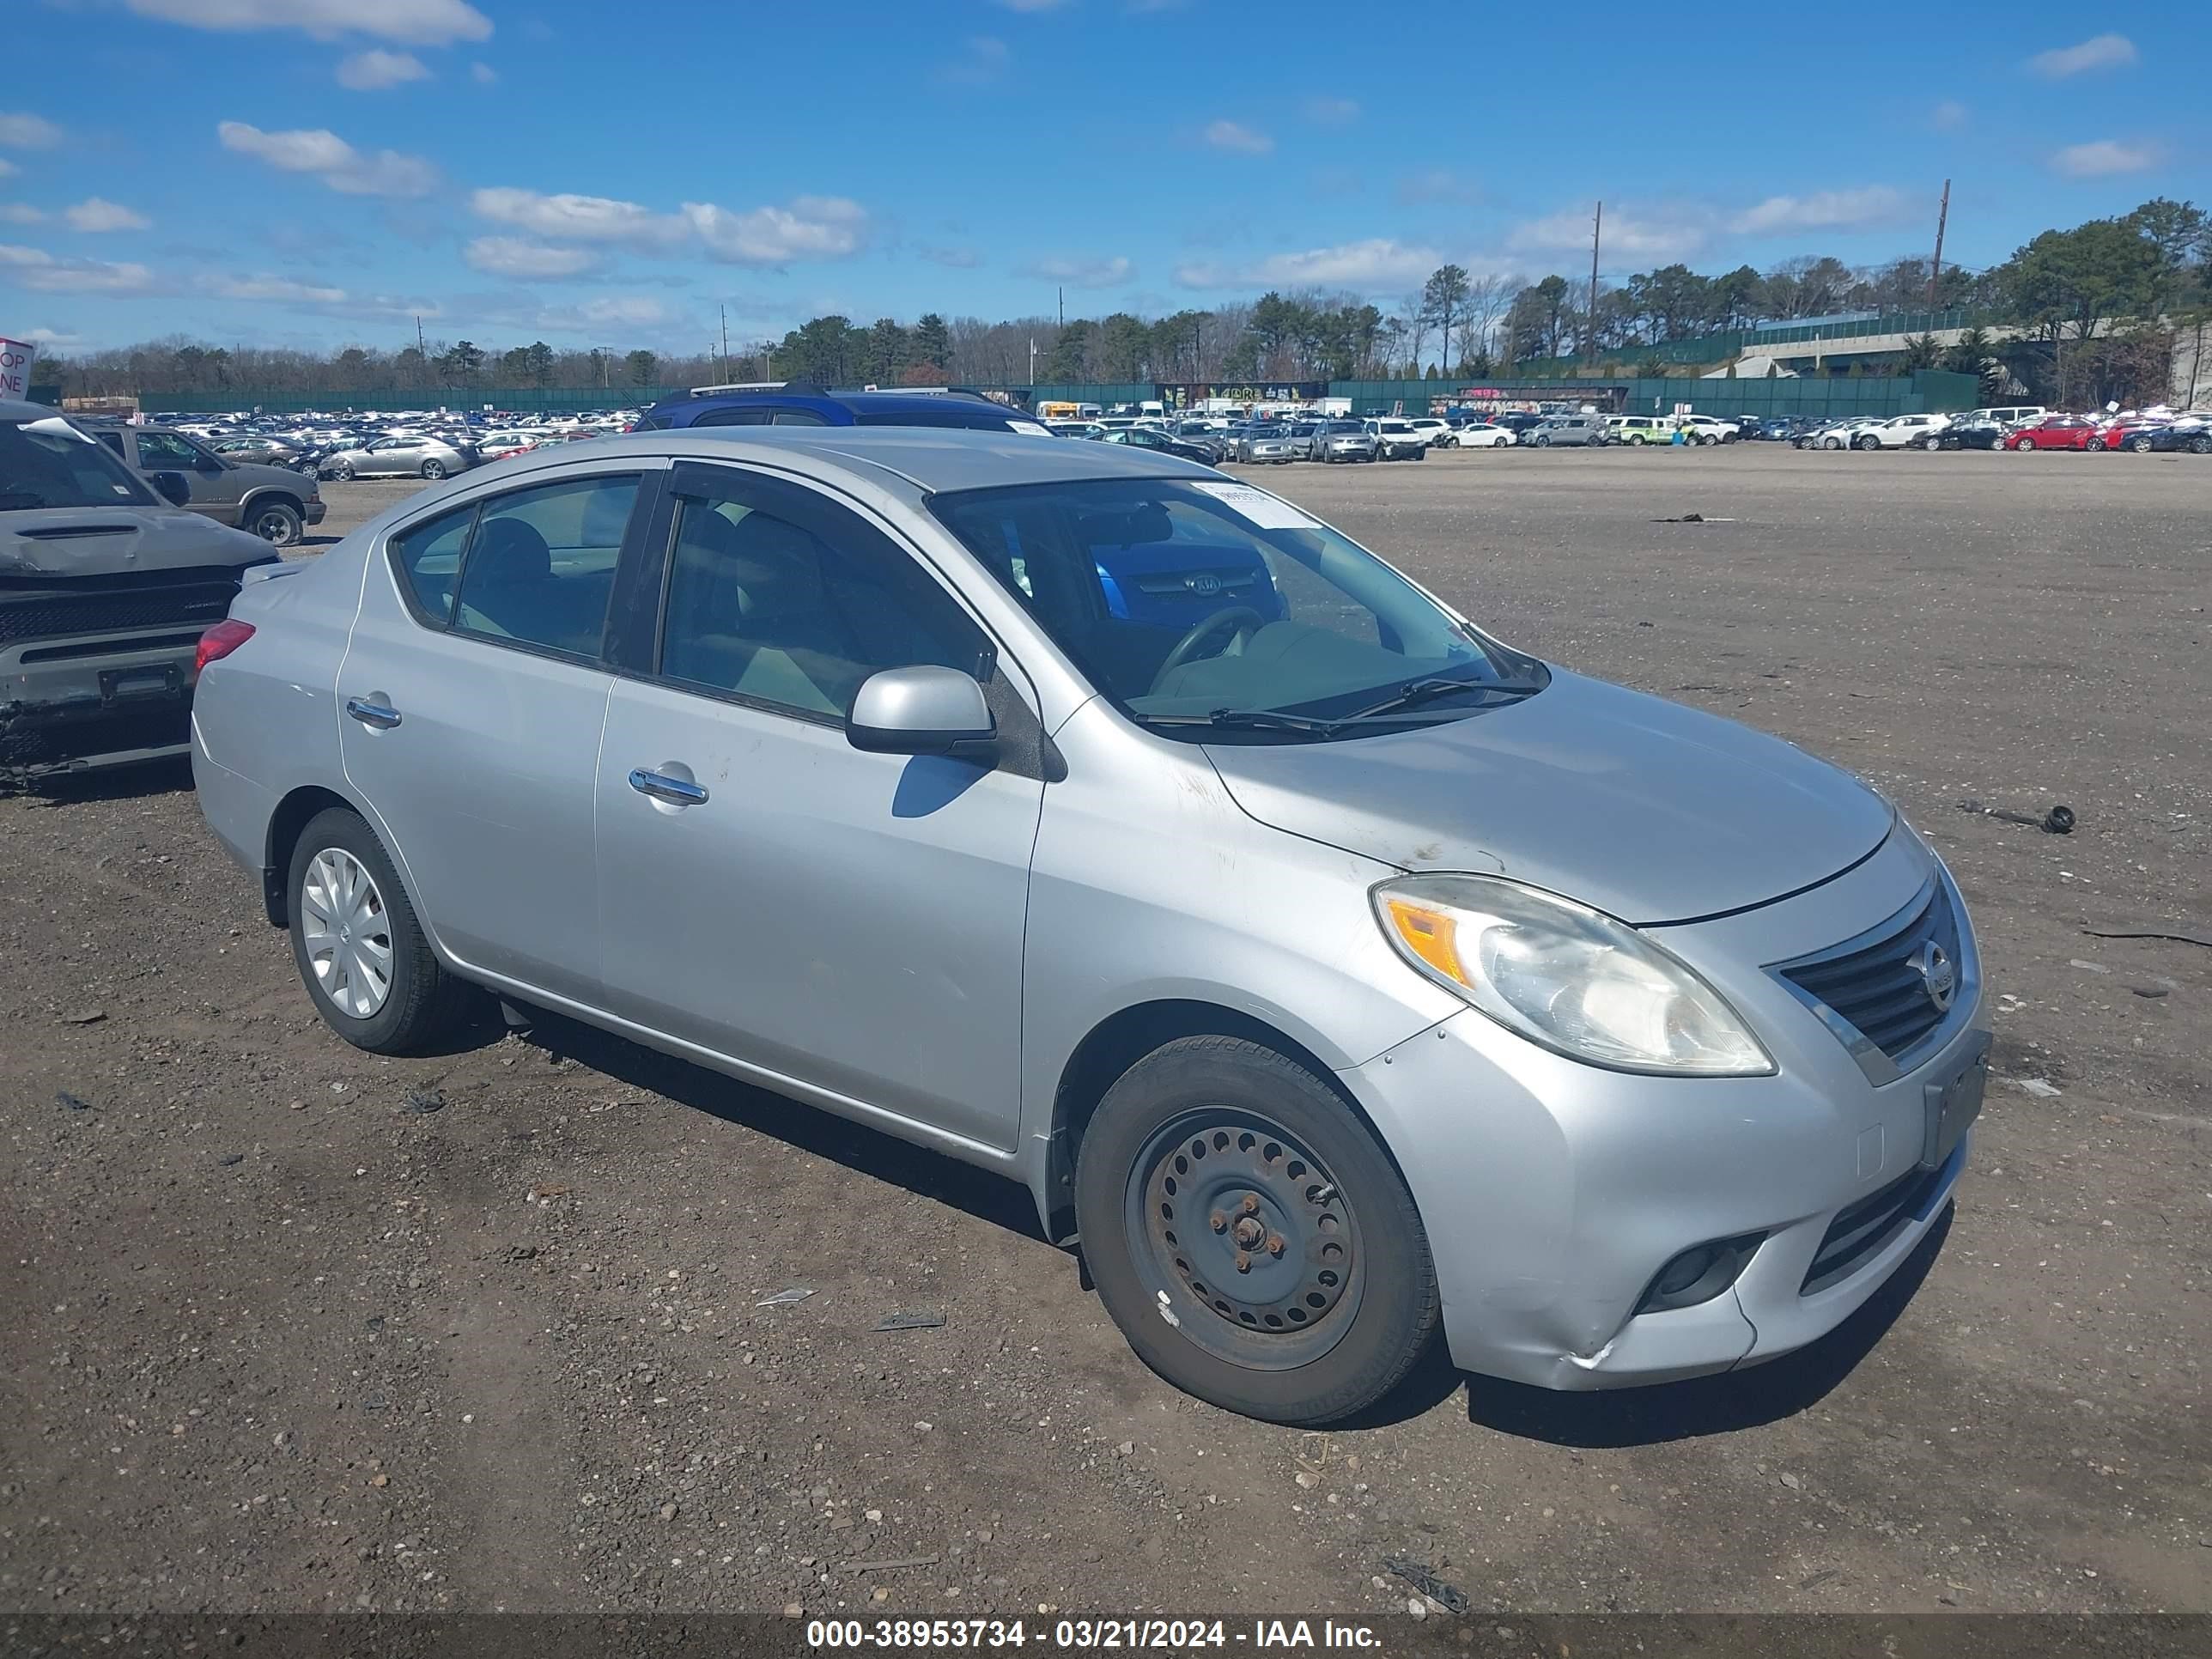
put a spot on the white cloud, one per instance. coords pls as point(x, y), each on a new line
point(1628, 236)
point(7, 169)
point(48, 337)
point(1825, 209)
point(1332, 111)
point(580, 218)
point(528, 261)
point(1376, 262)
point(319, 151)
point(613, 311)
point(1237, 138)
point(22, 130)
point(2099, 52)
point(94, 215)
point(1083, 272)
point(20, 213)
point(375, 69)
point(482, 74)
point(1433, 185)
point(35, 268)
point(282, 290)
point(983, 59)
point(2105, 157)
point(412, 22)
point(811, 227)
point(1949, 116)
point(808, 227)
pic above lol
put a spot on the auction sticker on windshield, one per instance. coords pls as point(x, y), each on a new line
point(1259, 506)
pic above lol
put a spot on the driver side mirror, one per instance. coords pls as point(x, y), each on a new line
point(922, 710)
point(172, 486)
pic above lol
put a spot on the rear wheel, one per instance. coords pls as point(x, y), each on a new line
point(363, 956)
point(433, 469)
point(1251, 1236)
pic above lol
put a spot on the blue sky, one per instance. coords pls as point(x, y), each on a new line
point(314, 173)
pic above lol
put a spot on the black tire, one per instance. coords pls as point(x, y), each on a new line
point(424, 1002)
point(342, 472)
point(1869, 441)
point(2200, 446)
point(276, 521)
point(1264, 1116)
point(433, 469)
point(2140, 444)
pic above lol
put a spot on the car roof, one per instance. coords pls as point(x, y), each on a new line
point(926, 460)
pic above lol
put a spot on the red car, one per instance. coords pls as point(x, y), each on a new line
point(2052, 432)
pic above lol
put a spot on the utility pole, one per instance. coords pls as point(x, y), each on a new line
point(1063, 307)
point(1032, 360)
point(1589, 331)
point(1935, 269)
point(726, 343)
point(420, 350)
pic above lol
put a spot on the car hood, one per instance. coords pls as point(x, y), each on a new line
point(1641, 808)
point(101, 541)
point(259, 475)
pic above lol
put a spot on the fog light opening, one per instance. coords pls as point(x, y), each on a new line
point(1699, 1273)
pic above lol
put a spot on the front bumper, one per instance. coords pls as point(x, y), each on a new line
point(315, 511)
point(1553, 1192)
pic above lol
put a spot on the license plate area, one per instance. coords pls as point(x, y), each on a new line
point(1953, 1104)
point(155, 680)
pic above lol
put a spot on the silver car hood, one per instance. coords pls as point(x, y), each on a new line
point(1641, 808)
point(105, 541)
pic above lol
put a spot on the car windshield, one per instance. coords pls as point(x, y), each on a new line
point(1214, 609)
point(49, 463)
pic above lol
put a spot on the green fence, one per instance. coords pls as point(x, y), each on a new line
point(522, 400)
point(1924, 392)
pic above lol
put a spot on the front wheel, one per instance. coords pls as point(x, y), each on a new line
point(341, 473)
point(277, 523)
point(1543, 440)
point(362, 953)
point(1251, 1236)
point(2200, 446)
point(2140, 445)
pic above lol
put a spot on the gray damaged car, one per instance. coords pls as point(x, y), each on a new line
point(1339, 975)
point(105, 589)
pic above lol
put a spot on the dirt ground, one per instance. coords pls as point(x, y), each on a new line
point(291, 1328)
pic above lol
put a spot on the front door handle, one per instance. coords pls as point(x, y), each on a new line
point(676, 791)
point(370, 711)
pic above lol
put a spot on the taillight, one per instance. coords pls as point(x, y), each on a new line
point(219, 641)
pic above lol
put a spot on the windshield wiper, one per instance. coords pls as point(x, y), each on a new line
point(1253, 720)
point(1414, 693)
point(15, 501)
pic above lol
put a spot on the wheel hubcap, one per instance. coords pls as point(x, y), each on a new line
point(347, 934)
point(1241, 1233)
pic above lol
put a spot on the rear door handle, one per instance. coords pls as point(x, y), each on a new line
point(676, 791)
point(380, 715)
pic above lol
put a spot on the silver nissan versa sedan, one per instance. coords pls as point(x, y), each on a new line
point(1333, 971)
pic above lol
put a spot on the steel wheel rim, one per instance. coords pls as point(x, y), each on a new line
point(275, 525)
point(1218, 1184)
point(346, 933)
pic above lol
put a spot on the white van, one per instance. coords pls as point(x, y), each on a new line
point(2009, 415)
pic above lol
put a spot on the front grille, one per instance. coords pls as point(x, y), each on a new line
point(1877, 988)
point(115, 605)
point(1861, 1230)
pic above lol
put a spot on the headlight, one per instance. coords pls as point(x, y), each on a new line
point(1578, 982)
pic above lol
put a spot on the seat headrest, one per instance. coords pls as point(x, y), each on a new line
point(777, 568)
point(509, 551)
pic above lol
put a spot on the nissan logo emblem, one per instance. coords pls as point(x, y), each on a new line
point(1938, 973)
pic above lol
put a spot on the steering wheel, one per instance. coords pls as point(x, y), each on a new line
point(1248, 622)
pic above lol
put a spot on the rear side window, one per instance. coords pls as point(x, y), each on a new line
point(540, 567)
point(428, 560)
point(732, 417)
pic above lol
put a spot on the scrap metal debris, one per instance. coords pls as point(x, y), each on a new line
point(910, 1322)
point(2059, 820)
point(785, 1298)
point(62, 1097)
point(2176, 938)
point(1450, 1597)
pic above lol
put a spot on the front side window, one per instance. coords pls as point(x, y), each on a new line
point(540, 565)
point(780, 596)
point(1210, 609)
point(164, 451)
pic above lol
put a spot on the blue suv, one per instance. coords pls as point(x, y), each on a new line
point(795, 403)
